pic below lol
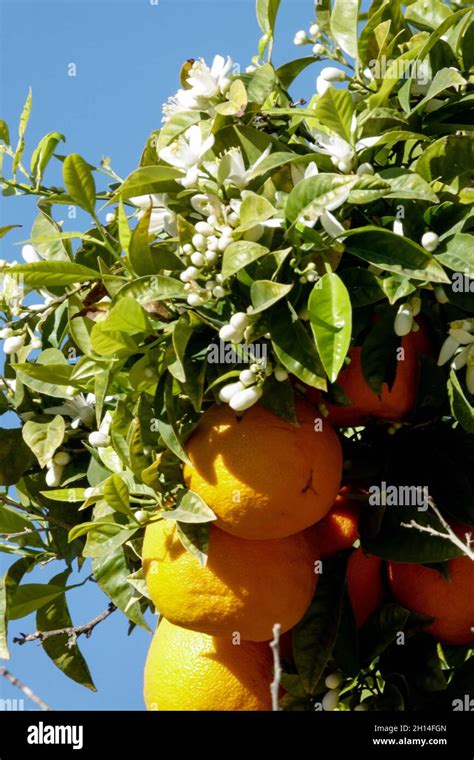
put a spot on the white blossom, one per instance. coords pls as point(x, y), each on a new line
point(186, 153)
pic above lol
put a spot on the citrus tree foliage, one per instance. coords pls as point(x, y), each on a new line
point(255, 221)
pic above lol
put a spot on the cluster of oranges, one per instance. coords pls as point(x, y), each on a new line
point(276, 491)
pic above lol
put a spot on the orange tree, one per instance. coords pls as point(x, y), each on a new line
point(299, 276)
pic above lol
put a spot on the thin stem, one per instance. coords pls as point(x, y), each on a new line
point(25, 689)
point(275, 685)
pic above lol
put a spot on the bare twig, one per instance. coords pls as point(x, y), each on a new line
point(25, 689)
point(275, 684)
point(449, 534)
point(34, 515)
point(72, 632)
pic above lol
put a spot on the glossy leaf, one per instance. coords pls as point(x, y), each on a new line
point(330, 315)
point(44, 438)
point(80, 182)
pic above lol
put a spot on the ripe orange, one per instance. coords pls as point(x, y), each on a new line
point(186, 670)
point(246, 586)
point(394, 403)
point(364, 583)
point(451, 603)
point(263, 477)
point(339, 528)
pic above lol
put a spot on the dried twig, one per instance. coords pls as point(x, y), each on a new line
point(449, 534)
point(275, 684)
point(25, 689)
point(72, 632)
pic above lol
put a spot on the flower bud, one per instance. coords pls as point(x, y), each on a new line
point(203, 228)
point(398, 227)
point(460, 360)
point(29, 254)
point(36, 343)
point(218, 292)
point(61, 458)
point(314, 30)
point(230, 333)
point(403, 320)
point(247, 377)
point(212, 257)
point(54, 475)
point(198, 259)
point(13, 344)
point(110, 217)
point(194, 299)
point(239, 320)
point(199, 242)
point(330, 700)
point(98, 439)
point(141, 516)
point(5, 332)
point(440, 295)
point(332, 74)
point(462, 336)
point(448, 349)
point(318, 49)
point(300, 38)
point(430, 241)
point(281, 375)
point(365, 168)
point(345, 166)
point(245, 399)
point(227, 391)
point(334, 680)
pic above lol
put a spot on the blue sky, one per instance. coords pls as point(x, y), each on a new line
point(128, 54)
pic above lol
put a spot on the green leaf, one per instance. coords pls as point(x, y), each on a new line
point(155, 288)
point(295, 349)
point(79, 327)
point(394, 253)
point(139, 246)
point(4, 132)
point(457, 253)
point(195, 539)
point(381, 630)
point(31, 596)
point(236, 100)
point(123, 228)
point(260, 83)
point(111, 572)
point(334, 109)
point(330, 315)
point(266, 14)
point(43, 153)
point(24, 118)
point(49, 379)
point(344, 21)
point(379, 353)
point(368, 189)
point(8, 585)
point(44, 438)
point(150, 179)
point(181, 334)
point(443, 79)
point(240, 254)
point(116, 495)
point(289, 71)
point(126, 316)
point(80, 182)
point(448, 158)
point(42, 232)
point(363, 286)
point(265, 293)
point(15, 456)
point(66, 656)
point(427, 16)
point(163, 408)
point(396, 287)
point(175, 126)
point(315, 635)
point(5, 230)
point(42, 274)
point(190, 509)
point(314, 195)
point(254, 210)
point(461, 409)
point(404, 184)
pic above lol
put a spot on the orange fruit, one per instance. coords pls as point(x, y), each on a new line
point(450, 603)
point(186, 670)
point(394, 404)
point(263, 477)
point(339, 528)
point(365, 585)
point(246, 586)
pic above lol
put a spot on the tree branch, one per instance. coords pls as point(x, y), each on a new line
point(275, 684)
point(449, 534)
point(72, 632)
point(25, 689)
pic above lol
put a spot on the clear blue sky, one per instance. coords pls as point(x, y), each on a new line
point(128, 54)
